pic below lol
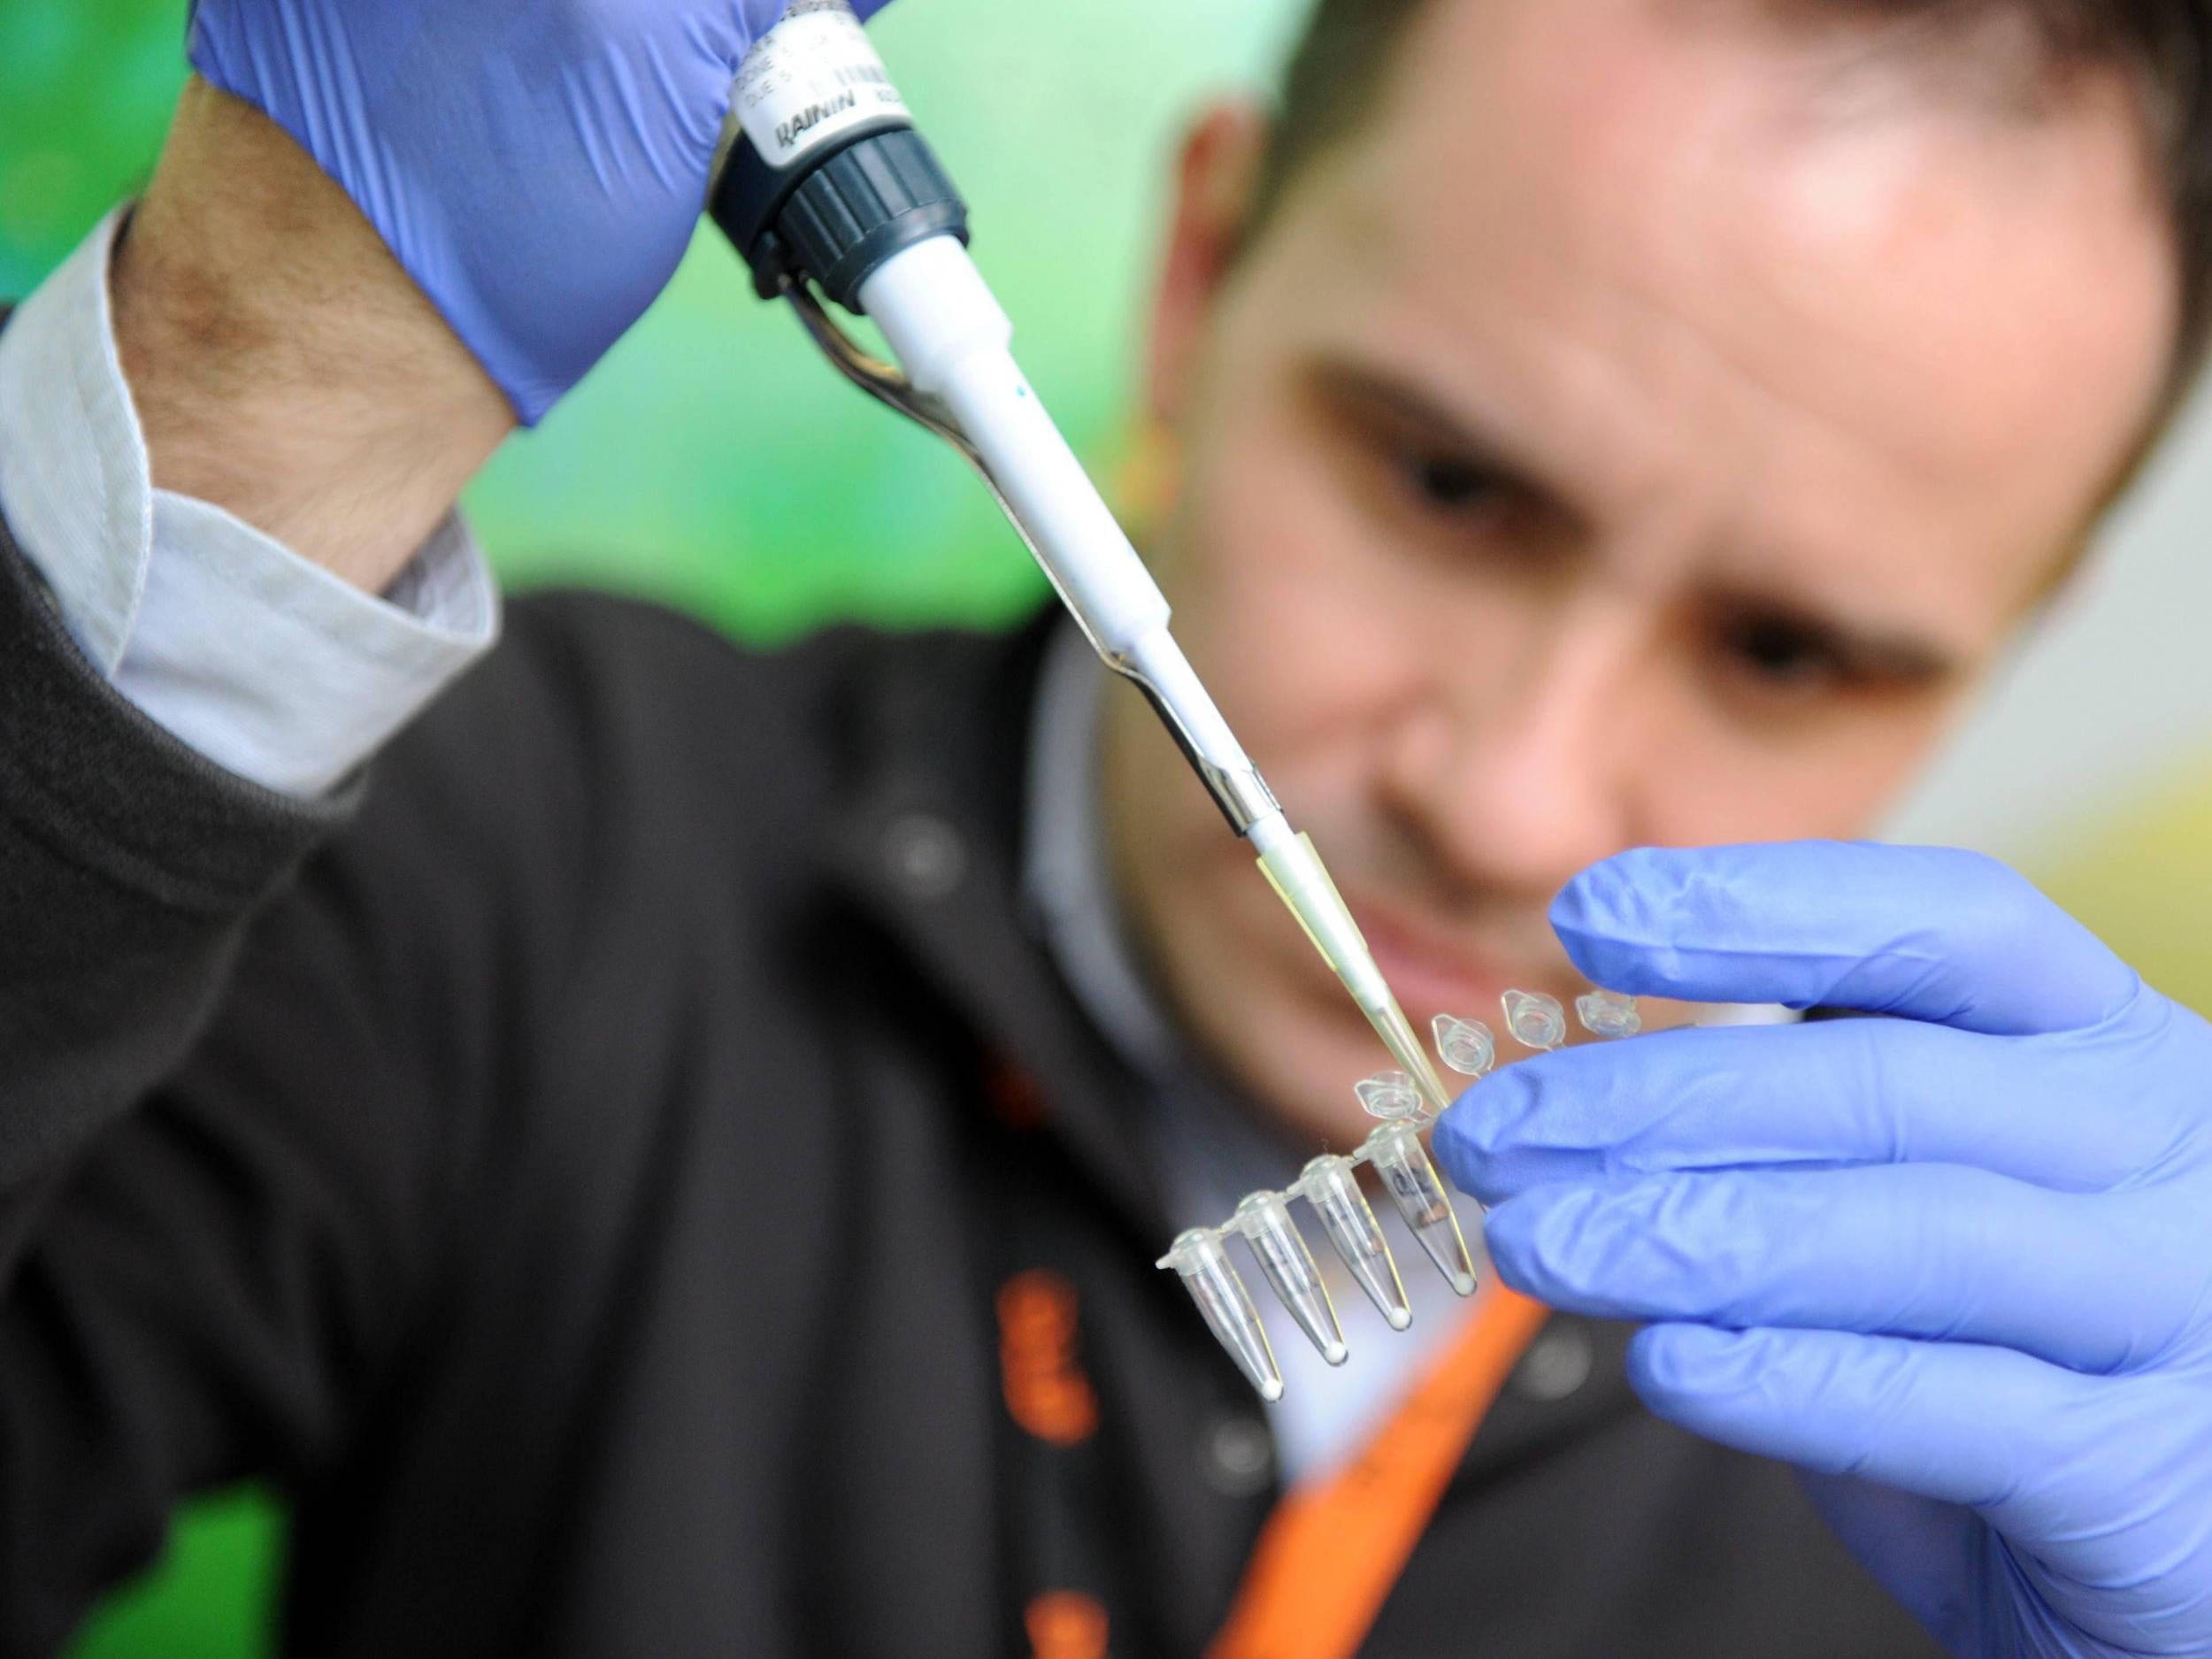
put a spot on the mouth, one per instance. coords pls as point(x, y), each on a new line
point(1435, 974)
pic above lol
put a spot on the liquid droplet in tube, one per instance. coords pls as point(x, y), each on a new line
point(1418, 1193)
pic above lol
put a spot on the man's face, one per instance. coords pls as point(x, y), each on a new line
point(1644, 432)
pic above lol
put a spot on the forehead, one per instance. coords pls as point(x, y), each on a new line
point(1699, 251)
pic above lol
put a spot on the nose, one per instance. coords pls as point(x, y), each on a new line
point(1511, 769)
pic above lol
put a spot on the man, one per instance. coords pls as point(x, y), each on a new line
point(675, 1167)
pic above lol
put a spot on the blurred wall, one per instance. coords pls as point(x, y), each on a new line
point(2110, 694)
point(2089, 763)
point(713, 462)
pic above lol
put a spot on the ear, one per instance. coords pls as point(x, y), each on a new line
point(1216, 182)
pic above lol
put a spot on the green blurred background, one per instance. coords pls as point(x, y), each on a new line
point(714, 463)
point(668, 473)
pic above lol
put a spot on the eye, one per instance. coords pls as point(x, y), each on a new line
point(1783, 655)
point(1450, 483)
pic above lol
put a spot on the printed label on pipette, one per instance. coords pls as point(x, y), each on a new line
point(812, 79)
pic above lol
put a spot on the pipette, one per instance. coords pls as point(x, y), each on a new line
point(833, 197)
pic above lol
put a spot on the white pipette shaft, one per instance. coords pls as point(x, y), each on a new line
point(955, 342)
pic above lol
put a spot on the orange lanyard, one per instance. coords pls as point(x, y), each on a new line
point(1331, 1553)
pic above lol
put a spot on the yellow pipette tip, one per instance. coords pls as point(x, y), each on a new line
point(1294, 870)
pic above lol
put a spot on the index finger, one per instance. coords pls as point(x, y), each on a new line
point(1927, 934)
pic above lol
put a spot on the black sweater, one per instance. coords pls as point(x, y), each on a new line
point(573, 1170)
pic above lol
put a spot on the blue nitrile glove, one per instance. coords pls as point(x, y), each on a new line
point(537, 165)
point(1958, 1262)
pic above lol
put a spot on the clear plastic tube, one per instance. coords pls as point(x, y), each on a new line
point(1414, 1186)
point(1264, 1220)
point(1332, 1187)
point(1203, 1263)
point(1331, 1184)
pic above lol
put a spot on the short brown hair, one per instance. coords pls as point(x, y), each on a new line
point(1343, 61)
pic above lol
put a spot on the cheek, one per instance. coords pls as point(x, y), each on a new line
point(1708, 779)
point(1282, 602)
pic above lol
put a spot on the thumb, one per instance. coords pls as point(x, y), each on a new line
point(1923, 1553)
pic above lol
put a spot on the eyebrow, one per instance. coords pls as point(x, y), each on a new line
point(1867, 651)
point(1896, 655)
point(1378, 395)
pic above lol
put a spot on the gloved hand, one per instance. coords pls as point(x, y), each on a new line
point(1958, 1262)
point(538, 166)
